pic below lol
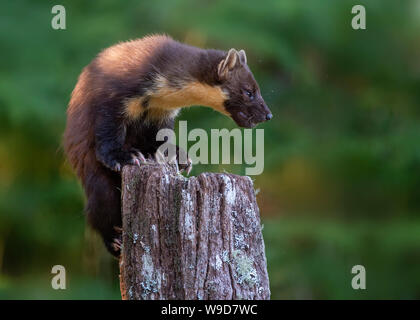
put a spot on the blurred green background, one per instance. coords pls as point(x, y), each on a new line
point(341, 184)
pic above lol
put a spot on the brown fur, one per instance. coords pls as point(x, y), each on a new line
point(127, 94)
point(135, 52)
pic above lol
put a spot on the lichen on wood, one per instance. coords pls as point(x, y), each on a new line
point(190, 238)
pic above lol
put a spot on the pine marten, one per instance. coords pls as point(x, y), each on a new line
point(132, 90)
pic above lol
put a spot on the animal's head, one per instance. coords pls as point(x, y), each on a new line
point(245, 104)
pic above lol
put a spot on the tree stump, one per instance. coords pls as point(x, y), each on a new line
point(190, 238)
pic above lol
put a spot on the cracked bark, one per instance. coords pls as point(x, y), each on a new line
point(195, 238)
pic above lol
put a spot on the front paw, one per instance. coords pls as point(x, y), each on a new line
point(186, 167)
point(117, 159)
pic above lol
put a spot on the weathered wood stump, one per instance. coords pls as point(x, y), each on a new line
point(195, 238)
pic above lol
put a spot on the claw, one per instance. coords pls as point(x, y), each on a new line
point(189, 168)
point(138, 157)
point(117, 245)
point(141, 157)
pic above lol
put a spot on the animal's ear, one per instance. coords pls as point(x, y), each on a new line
point(242, 57)
point(228, 63)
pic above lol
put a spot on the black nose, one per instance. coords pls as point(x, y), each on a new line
point(269, 116)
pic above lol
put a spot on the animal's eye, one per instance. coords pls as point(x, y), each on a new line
point(249, 94)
